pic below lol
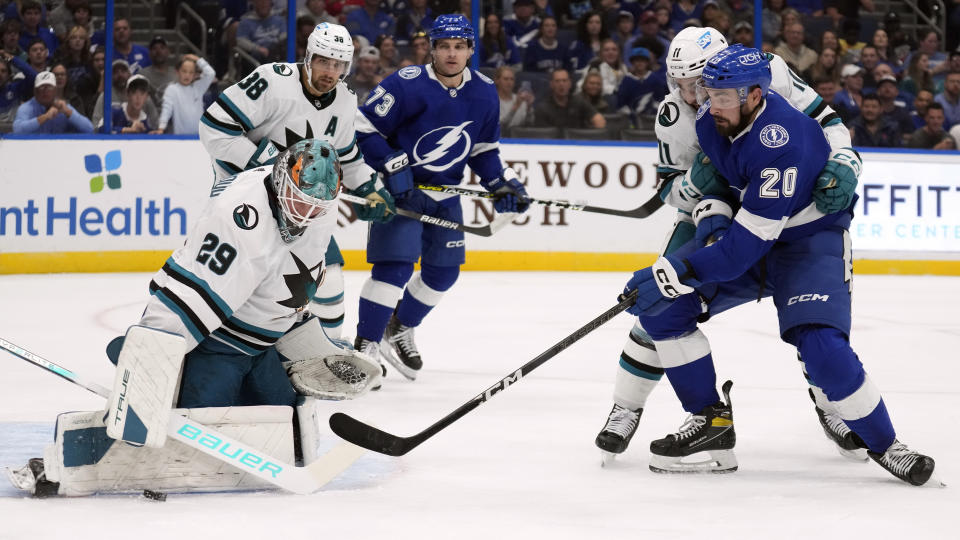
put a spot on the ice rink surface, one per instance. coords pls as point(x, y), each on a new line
point(524, 465)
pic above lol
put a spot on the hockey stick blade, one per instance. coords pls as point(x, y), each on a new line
point(205, 439)
point(647, 208)
point(486, 230)
point(364, 435)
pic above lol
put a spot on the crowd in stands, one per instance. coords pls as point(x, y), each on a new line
point(562, 68)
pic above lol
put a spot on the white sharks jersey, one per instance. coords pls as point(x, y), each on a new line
point(235, 280)
point(676, 132)
point(270, 110)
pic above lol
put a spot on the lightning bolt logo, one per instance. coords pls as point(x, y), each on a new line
point(443, 145)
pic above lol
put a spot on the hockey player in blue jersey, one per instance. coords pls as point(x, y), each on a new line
point(424, 124)
point(769, 239)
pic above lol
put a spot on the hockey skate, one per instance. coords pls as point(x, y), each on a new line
point(399, 348)
point(711, 431)
point(910, 466)
point(371, 349)
point(849, 444)
point(32, 479)
point(616, 434)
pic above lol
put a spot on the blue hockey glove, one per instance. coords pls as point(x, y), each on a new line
point(509, 193)
point(659, 285)
point(837, 182)
point(712, 217)
point(702, 179)
point(382, 207)
point(397, 175)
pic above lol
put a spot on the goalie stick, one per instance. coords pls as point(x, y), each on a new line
point(302, 480)
point(371, 438)
point(643, 211)
point(486, 230)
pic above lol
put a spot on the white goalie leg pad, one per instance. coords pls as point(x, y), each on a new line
point(308, 418)
point(321, 368)
point(144, 386)
point(85, 461)
point(639, 370)
point(328, 303)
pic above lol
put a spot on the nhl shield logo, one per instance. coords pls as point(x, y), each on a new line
point(774, 136)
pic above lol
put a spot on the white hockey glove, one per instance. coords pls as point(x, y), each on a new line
point(703, 178)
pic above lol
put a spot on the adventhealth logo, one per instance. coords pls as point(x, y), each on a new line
point(112, 160)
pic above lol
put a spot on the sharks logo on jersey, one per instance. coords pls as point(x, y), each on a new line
point(439, 149)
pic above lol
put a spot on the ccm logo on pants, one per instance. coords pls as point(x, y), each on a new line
point(807, 298)
point(455, 243)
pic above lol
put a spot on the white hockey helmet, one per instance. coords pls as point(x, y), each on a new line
point(689, 52)
point(330, 41)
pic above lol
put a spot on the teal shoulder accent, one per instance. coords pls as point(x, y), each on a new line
point(228, 167)
point(344, 151)
point(172, 306)
point(224, 307)
point(813, 106)
point(221, 129)
point(256, 329)
point(331, 300)
point(247, 124)
point(834, 122)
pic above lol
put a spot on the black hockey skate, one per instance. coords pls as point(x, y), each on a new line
point(399, 348)
point(849, 444)
point(910, 466)
point(371, 349)
point(32, 479)
point(710, 431)
point(616, 434)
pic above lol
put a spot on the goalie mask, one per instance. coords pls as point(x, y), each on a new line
point(306, 181)
point(688, 54)
point(329, 41)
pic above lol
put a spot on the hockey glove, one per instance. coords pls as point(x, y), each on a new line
point(509, 193)
point(659, 285)
point(702, 179)
point(381, 208)
point(397, 175)
point(712, 217)
point(837, 182)
point(265, 154)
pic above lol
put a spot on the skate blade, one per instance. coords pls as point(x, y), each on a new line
point(607, 458)
point(718, 462)
point(934, 482)
point(386, 351)
point(859, 455)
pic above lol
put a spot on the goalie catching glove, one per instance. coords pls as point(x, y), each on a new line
point(323, 368)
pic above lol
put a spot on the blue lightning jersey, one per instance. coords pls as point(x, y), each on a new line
point(441, 129)
point(773, 165)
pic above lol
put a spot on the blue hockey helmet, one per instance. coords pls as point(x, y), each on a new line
point(451, 27)
point(739, 68)
point(306, 180)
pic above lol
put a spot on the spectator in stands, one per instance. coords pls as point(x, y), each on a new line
point(10, 36)
point(850, 44)
point(496, 48)
point(32, 29)
point(662, 15)
point(516, 109)
point(884, 49)
point(65, 88)
point(932, 135)
point(920, 103)
point(917, 76)
point(569, 12)
point(650, 37)
point(419, 50)
point(683, 10)
point(545, 53)
point(591, 90)
point(46, 114)
point(793, 50)
point(415, 18)
point(183, 99)
point(160, 72)
point(560, 109)
point(365, 78)
point(13, 88)
point(743, 34)
point(929, 44)
point(826, 66)
point(91, 83)
point(370, 21)
point(829, 40)
point(847, 102)
point(591, 31)
point(74, 53)
point(901, 43)
point(130, 117)
point(807, 8)
point(304, 27)
point(118, 94)
point(610, 66)
point(389, 56)
point(625, 28)
point(869, 60)
point(262, 34)
point(892, 106)
point(827, 88)
point(522, 26)
point(316, 10)
point(953, 63)
point(60, 18)
point(772, 19)
point(642, 90)
point(38, 56)
point(136, 56)
point(950, 98)
point(871, 128)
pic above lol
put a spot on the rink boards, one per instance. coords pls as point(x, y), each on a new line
point(90, 204)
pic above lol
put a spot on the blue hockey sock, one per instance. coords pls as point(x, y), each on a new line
point(875, 429)
point(379, 296)
point(695, 384)
point(424, 291)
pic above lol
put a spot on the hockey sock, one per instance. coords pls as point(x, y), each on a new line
point(875, 429)
point(424, 292)
point(639, 371)
point(695, 384)
point(379, 296)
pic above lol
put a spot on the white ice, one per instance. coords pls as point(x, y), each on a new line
point(524, 465)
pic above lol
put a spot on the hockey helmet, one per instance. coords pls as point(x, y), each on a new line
point(306, 181)
point(451, 27)
point(737, 68)
point(689, 52)
point(330, 41)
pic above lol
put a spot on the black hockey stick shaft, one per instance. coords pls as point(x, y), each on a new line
point(643, 211)
point(486, 230)
point(376, 440)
